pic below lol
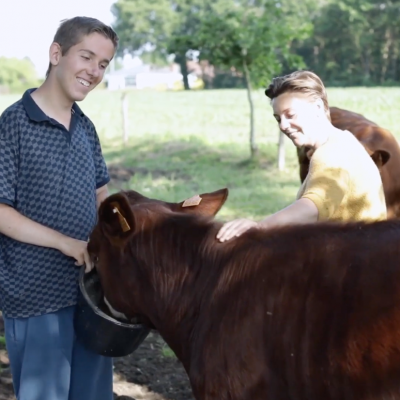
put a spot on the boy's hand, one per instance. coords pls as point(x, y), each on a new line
point(77, 249)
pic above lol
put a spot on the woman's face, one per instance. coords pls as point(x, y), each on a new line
point(299, 117)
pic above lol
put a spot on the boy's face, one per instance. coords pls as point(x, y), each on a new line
point(82, 68)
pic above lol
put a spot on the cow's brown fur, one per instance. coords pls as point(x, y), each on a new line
point(379, 143)
point(297, 313)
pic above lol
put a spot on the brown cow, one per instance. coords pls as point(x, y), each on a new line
point(379, 143)
point(306, 312)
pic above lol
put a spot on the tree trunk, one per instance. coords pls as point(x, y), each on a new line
point(394, 62)
point(385, 57)
point(181, 60)
point(253, 146)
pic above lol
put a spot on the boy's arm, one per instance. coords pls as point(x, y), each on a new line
point(101, 194)
point(12, 223)
point(18, 227)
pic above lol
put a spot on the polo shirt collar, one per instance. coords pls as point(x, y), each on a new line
point(35, 113)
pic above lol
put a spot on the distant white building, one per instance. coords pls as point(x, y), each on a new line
point(144, 77)
point(123, 78)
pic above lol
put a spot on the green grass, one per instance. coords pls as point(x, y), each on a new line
point(185, 143)
point(167, 352)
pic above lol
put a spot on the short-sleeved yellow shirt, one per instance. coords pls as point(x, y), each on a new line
point(343, 182)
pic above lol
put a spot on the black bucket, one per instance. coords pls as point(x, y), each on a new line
point(99, 331)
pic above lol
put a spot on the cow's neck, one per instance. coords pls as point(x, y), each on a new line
point(179, 280)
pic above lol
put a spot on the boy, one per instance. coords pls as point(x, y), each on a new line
point(52, 179)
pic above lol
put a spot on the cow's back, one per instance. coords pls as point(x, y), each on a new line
point(320, 304)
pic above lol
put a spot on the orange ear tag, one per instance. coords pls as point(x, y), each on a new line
point(193, 201)
point(124, 223)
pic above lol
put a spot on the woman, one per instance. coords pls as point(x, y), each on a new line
point(343, 183)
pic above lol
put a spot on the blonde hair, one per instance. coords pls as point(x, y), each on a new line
point(305, 82)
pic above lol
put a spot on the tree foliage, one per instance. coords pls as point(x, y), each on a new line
point(143, 25)
point(17, 75)
point(160, 27)
point(347, 42)
point(249, 36)
point(355, 42)
point(177, 27)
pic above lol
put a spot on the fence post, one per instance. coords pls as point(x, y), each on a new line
point(125, 125)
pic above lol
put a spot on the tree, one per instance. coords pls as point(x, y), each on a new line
point(159, 27)
point(252, 37)
point(354, 42)
point(17, 75)
point(143, 25)
point(183, 41)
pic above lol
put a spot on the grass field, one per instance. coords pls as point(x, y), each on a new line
point(187, 143)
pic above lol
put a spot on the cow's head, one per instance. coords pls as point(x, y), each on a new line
point(124, 220)
point(124, 214)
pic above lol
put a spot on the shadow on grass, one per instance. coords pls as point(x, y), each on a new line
point(176, 170)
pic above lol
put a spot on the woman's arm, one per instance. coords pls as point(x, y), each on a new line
point(302, 211)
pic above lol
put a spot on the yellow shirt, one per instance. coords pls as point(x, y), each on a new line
point(343, 182)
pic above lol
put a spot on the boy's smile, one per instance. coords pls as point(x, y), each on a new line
point(82, 68)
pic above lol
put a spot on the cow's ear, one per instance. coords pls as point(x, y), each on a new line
point(116, 219)
point(205, 204)
point(380, 157)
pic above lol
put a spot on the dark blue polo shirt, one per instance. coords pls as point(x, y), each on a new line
point(50, 175)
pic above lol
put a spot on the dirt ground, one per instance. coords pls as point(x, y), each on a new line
point(146, 374)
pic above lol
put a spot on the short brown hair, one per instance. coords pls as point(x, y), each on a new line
point(306, 82)
point(71, 31)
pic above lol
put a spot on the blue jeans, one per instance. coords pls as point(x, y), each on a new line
point(48, 363)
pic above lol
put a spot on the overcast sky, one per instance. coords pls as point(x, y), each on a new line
point(27, 27)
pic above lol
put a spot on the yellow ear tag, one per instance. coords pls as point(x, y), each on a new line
point(124, 224)
point(193, 201)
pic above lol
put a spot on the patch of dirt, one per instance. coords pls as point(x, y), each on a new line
point(161, 374)
point(146, 374)
point(121, 175)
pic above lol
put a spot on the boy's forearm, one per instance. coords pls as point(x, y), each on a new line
point(18, 227)
point(101, 194)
